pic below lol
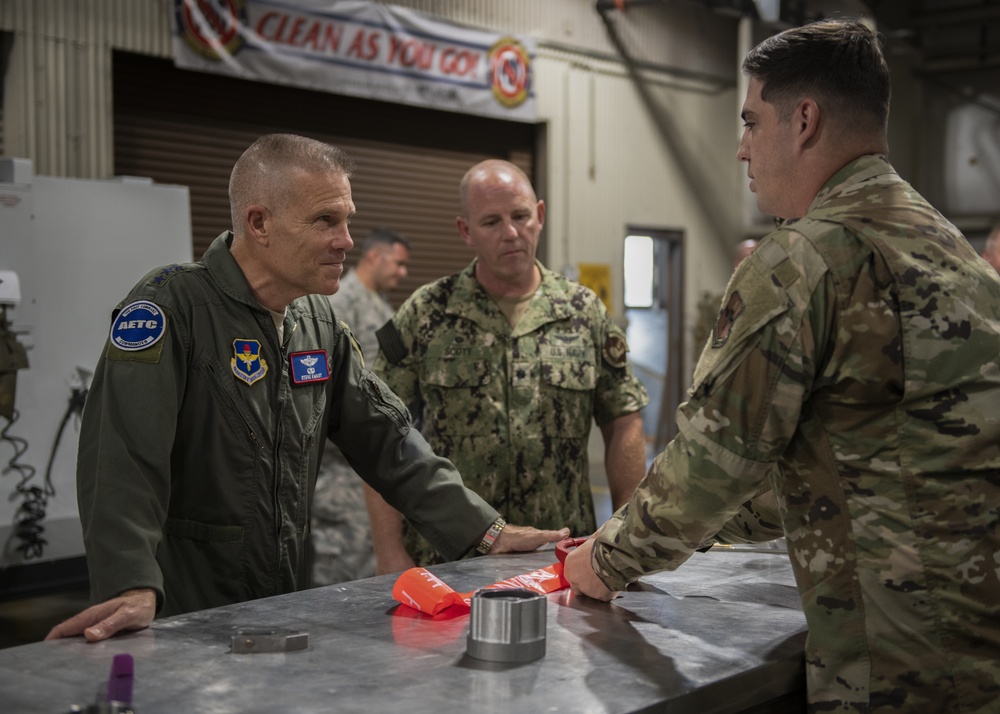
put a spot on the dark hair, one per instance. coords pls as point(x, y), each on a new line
point(838, 63)
point(382, 237)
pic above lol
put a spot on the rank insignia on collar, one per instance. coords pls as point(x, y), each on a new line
point(247, 363)
point(309, 367)
point(727, 318)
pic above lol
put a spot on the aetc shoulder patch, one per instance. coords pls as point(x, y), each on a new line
point(138, 326)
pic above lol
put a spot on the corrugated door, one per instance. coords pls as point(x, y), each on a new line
point(189, 128)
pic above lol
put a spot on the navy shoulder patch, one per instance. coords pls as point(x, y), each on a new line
point(615, 350)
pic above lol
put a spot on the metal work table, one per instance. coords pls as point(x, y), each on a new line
point(724, 633)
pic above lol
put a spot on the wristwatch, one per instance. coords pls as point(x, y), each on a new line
point(491, 535)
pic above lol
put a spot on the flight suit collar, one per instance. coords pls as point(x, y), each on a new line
point(228, 276)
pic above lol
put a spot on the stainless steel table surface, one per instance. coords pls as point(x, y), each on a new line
point(723, 633)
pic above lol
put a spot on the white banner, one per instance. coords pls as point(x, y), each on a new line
point(360, 48)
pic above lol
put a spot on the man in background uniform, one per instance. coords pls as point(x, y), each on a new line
point(506, 365)
point(341, 531)
point(856, 352)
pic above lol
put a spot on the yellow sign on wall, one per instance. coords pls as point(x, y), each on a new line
point(597, 277)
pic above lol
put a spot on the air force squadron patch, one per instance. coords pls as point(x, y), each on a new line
point(138, 326)
point(727, 318)
point(309, 367)
point(247, 363)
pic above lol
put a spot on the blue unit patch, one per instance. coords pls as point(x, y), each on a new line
point(139, 325)
point(309, 367)
point(247, 363)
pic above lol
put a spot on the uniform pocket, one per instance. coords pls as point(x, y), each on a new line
point(206, 532)
point(460, 396)
point(567, 398)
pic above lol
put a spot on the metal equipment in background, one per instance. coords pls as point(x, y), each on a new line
point(13, 356)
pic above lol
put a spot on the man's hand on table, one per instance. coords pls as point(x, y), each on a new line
point(132, 610)
point(521, 539)
point(579, 572)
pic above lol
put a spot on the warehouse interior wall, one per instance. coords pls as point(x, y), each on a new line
point(638, 118)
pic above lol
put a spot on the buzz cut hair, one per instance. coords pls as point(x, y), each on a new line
point(261, 175)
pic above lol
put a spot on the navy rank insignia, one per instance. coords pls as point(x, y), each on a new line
point(138, 326)
point(727, 318)
point(615, 350)
point(309, 367)
point(247, 362)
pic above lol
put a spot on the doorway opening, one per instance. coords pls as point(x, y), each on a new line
point(654, 309)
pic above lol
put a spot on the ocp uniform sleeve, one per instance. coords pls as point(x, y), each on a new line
point(743, 411)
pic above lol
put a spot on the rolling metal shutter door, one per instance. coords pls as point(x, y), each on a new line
point(188, 128)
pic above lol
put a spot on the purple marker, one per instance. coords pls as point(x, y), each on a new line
point(120, 681)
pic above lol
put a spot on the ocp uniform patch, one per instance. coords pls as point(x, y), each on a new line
point(728, 316)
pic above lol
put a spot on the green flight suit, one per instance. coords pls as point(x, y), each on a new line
point(195, 479)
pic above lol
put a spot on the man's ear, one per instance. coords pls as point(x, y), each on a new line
point(463, 230)
point(541, 213)
point(805, 121)
point(258, 221)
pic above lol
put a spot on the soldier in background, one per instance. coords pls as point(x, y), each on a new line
point(341, 532)
point(856, 360)
point(710, 303)
point(506, 365)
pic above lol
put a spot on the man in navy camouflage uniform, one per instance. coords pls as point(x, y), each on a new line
point(506, 366)
point(855, 359)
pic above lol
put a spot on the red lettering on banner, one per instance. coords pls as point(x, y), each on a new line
point(411, 52)
point(294, 31)
point(324, 36)
point(280, 29)
point(362, 49)
point(460, 62)
point(266, 20)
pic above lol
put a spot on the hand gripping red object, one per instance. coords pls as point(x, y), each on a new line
point(422, 590)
